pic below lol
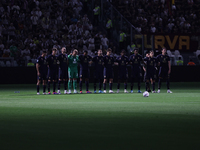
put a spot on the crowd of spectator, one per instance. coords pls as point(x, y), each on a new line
point(27, 27)
point(161, 16)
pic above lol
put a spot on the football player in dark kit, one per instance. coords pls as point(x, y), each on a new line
point(85, 60)
point(52, 70)
point(165, 69)
point(108, 70)
point(41, 67)
point(150, 70)
point(122, 62)
point(145, 72)
point(98, 73)
point(135, 61)
point(63, 70)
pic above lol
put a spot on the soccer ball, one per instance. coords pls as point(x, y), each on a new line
point(146, 94)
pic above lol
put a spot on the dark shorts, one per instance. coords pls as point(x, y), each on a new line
point(136, 73)
point(108, 73)
point(123, 75)
point(163, 73)
point(63, 74)
point(52, 75)
point(84, 73)
point(98, 74)
point(42, 76)
point(150, 75)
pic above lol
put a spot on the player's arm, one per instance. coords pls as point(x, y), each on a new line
point(37, 68)
point(169, 65)
point(116, 62)
point(144, 69)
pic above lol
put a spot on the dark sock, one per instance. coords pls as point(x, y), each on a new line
point(87, 85)
point(168, 84)
point(118, 85)
point(110, 85)
point(48, 84)
point(54, 86)
point(125, 85)
point(95, 84)
point(44, 88)
point(147, 85)
point(159, 83)
point(132, 82)
point(38, 88)
point(153, 86)
point(104, 86)
point(138, 84)
point(59, 84)
point(65, 85)
point(80, 85)
point(100, 83)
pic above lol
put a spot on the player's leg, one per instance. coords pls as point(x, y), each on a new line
point(70, 81)
point(139, 81)
point(100, 79)
point(81, 80)
point(60, 77)
point(110, 85)
point(59, 82)
point(125, 77)
point(65, 77)
point(38, 85)
point(160, 77)
point(118, 84)
point(48, 84)
point(132, 83)
point(168, 89)
point(104, 81)
point(75, 77)
point(110, 76)
point(44, 86)
point(147, 84)
point(87, 76)
point(55, 79)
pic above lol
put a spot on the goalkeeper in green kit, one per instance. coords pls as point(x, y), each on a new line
point(73, 60)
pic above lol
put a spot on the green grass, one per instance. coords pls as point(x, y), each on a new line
point(100, 121)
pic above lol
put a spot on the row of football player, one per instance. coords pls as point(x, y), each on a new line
point(65, 68)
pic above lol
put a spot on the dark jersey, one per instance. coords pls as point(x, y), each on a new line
point(63, 61)
point(42, 64)
point(108, 62)
point(163, 59)
point(122, 62)
point(136, 61)
point(98, 62)
point(150, 63)
point(52, 62)
point(84, 62)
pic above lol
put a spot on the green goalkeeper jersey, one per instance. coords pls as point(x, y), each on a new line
point(73, 62)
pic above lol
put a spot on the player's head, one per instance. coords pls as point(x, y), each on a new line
point(109, 51)
point(164, 50)
point(85, 53)
point(135, 51)
point(44, 53)
point(75, 52)
point(63, 50)
point(99, 52)
point(151, 53)
point(54, 50)
point(123, 52)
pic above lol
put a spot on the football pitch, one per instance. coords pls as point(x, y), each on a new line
point(100, 121)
